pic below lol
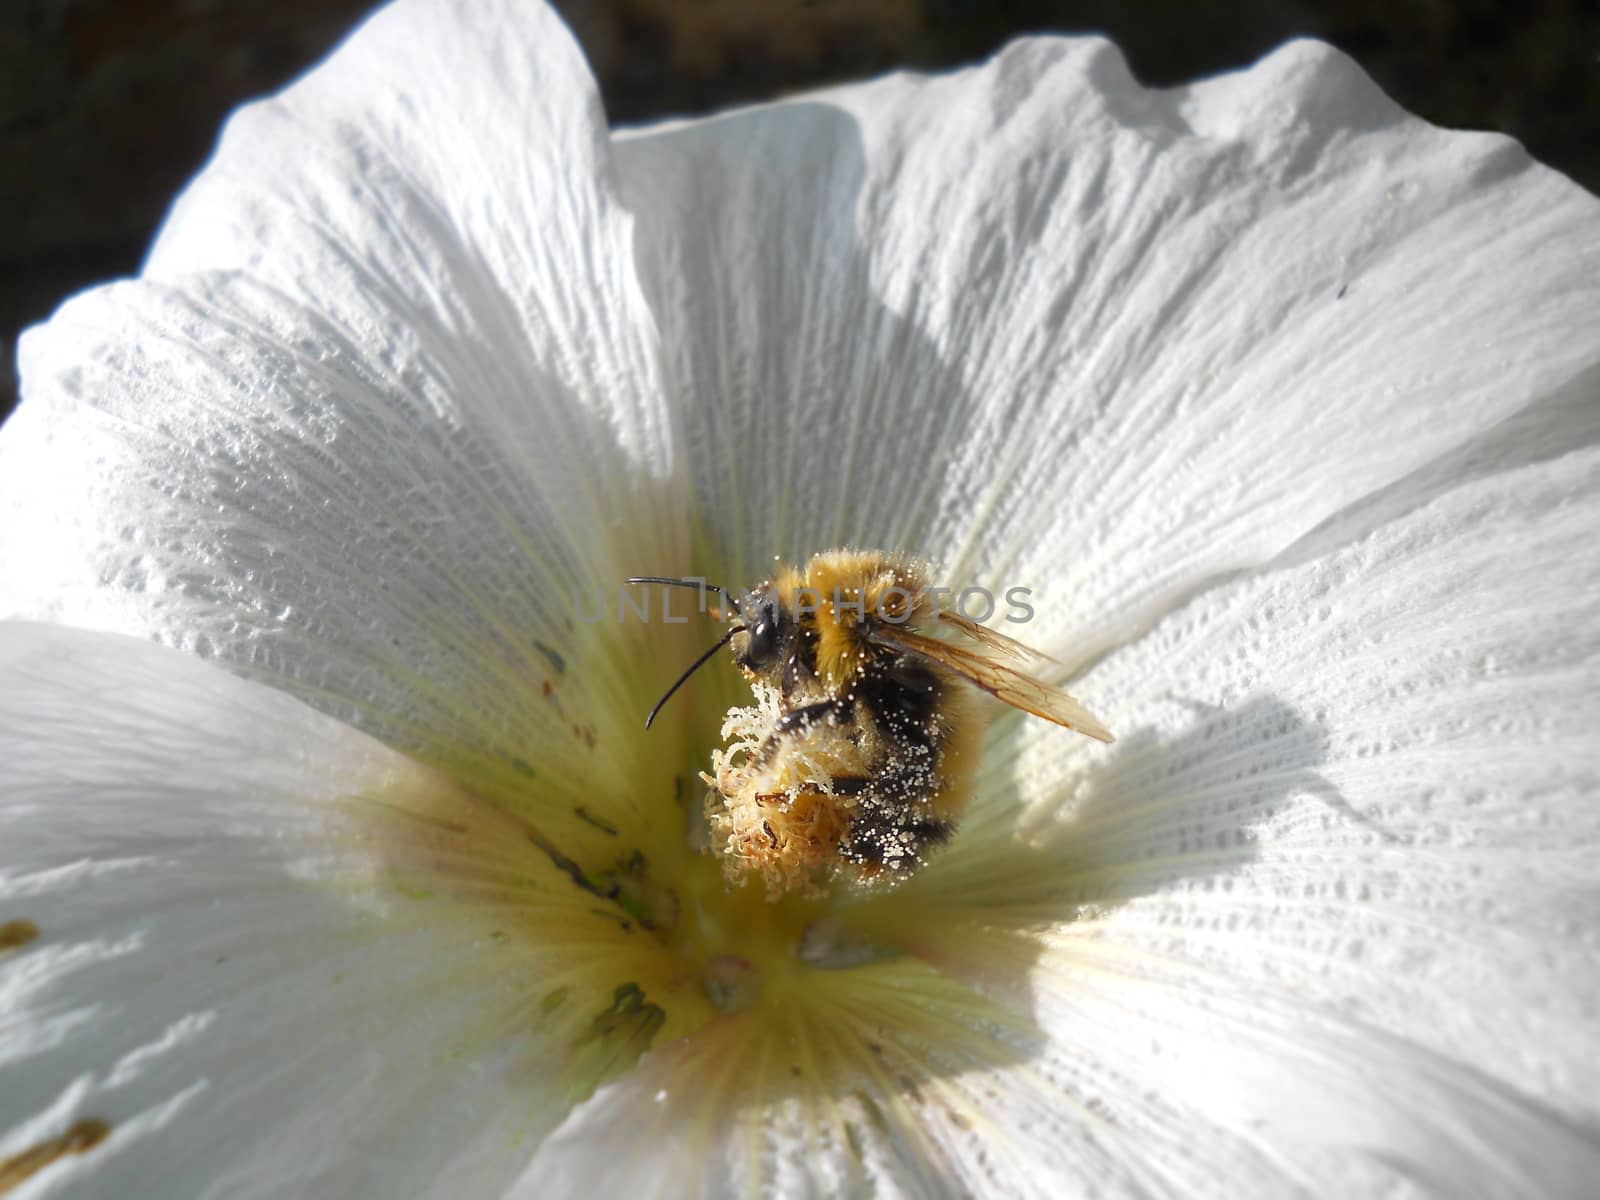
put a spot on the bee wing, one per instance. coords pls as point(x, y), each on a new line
point(998, 642)
point(980, 666)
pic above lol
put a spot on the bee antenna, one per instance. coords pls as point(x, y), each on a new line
point(699, 585)
point(693, 667)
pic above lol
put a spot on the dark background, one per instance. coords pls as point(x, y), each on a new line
point(108, 106)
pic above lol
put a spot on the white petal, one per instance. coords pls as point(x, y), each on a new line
point(1335, 889)
point(1106, 343)
point(252, 996)
point(384, 401)
point(440, 185)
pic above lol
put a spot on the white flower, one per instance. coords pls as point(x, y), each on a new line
point(1283, 403)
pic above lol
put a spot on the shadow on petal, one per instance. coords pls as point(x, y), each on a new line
point(825, 416)
point(1168, 812)
point(1184, 810)
point(1166, 808)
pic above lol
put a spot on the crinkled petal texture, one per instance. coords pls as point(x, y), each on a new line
point(1281, 402)
point(383, 404)
point(1105, 343)
point(229, 966)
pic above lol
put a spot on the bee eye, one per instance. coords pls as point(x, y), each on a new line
point(764, 636)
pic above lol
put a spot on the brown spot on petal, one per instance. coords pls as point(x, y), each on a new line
point(557, 663)
point(17, 933)
point(600, 823)
point(80, 1139)
point(554, 1000)
point(615, 1039)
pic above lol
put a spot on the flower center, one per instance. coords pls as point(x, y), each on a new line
point(605, 928)
point(744, 947)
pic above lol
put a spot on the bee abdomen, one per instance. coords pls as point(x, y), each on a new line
point(892, 835)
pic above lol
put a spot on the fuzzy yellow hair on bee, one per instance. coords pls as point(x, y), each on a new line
point(859, 753)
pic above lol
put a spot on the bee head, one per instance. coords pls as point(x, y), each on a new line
point(769, 631)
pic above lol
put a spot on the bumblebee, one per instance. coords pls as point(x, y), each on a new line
point(858, 754)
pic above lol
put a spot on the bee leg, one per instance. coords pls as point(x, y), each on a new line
point(795, 671)
point(799, 720)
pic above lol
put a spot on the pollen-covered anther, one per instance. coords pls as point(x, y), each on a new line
point(779, 818)
point(791, 841)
